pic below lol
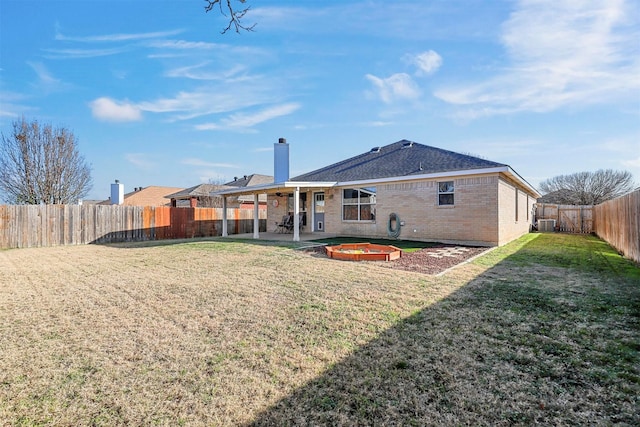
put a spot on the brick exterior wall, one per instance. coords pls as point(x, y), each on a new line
point(483, 212)
point(515, 211)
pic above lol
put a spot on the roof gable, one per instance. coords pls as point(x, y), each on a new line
point(402, 158)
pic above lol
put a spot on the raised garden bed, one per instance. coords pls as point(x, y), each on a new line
point(363, 252)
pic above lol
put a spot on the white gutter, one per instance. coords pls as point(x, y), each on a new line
point(271, 188)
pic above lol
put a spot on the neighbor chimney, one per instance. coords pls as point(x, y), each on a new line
point(281, 161)
point(117, 193)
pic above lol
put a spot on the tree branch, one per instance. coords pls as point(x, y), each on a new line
point(235, 16)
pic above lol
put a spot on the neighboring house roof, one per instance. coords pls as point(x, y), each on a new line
point(250, 180)
point(201, 190)
point(402, 158)
point(147, 196)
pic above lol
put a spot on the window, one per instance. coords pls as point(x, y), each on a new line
point(359, 204)
point(445, 193)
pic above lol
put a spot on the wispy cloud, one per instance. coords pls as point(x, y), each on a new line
point(202, 163)
point(118, 37)
point(188, 105)
point(397, 87)
point(377, 124)
point(140, 160)
point(427, 62)
point(246, 121)
point(11, 105)
point(81, 53)
point(183, 45)
point(199, 72)
point(632, 163)
point(561, 53)
point(109, 110)
point(46, 81)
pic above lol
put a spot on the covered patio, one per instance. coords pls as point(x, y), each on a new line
point(277, 189)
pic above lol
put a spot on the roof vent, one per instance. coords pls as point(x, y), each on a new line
point(407, 144)
point(375, 150)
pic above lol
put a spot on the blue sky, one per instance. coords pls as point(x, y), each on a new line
point(157, 96)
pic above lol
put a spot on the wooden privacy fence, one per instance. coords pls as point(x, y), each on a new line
point(25, 226)
point(568, 218)
point(618, 223)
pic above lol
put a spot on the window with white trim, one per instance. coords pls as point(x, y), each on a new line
point(445, 193)
point(359, 204)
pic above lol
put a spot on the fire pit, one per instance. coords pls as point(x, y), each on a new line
point(363, 252)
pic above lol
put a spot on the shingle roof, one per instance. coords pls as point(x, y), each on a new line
point(199, 190)
point(401, 158)
point(147, 196)
point(248, 181)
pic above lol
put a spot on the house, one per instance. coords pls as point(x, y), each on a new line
point(141, 196)
point(246, 201)
point(403, 190)
point(202, 195)
point(198, 196)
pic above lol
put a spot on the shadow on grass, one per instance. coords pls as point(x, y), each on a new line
point(405, 245)
point(548, 333)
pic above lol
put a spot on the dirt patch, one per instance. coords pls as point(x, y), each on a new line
point(431, 261)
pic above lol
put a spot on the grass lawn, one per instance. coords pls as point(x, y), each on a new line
point(211, 332)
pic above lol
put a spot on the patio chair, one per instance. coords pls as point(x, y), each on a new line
point(285, 225)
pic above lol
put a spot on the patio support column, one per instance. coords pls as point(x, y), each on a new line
point(256, 220)
point(224, 216)
point(296, 215)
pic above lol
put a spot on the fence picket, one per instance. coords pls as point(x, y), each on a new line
point(617, 221)
point(24, 226)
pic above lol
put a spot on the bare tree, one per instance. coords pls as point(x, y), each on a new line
point(40, 164)
point(235, 15)
point(587, 188)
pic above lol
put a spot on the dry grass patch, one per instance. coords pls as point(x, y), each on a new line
point(229, 333)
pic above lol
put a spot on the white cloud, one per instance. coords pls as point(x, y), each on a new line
point(377, 123)
point(81, 53)
point(110, 110)
point(561, 53)
point(211, 100)
point(202, 163)
point(244, 121)
point(118, 37)
point(198, 72)
point(427, 62)
point(44, 75)
point(632, 163)
point(183, 45)
point(140, 160)
point(399, 86)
